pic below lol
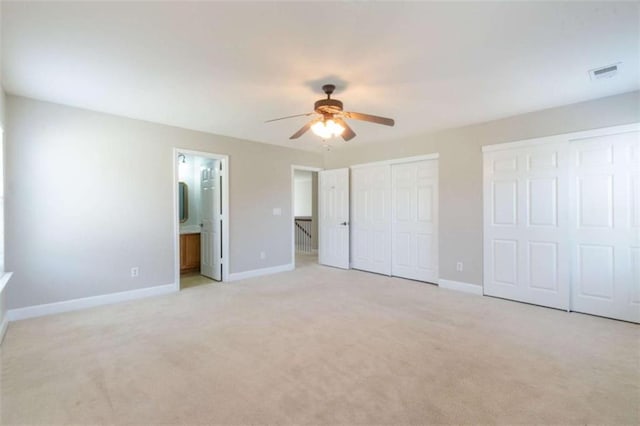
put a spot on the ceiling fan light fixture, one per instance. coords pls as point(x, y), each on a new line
point(327, 129)
point(330, 118)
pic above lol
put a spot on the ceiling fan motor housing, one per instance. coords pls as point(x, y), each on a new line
point(328, 106)
point(328, 89)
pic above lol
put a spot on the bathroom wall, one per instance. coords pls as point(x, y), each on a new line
point(189, 173)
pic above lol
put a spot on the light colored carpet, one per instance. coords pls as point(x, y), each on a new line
point(194, 279)
point(320, 346)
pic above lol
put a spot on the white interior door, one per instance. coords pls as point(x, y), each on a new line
point(211, 226)
point(605, 226)
point(371, 219)
point(333, 212)
point(526, 253)
point(414, 217)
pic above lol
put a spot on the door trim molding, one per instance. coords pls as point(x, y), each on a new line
point(460, 286)
point(224, 159)
point(563, 137)
point(433, 156)
point(295, 167)
point(3, 327)
point(4, 315)
point(88, 302)
point(4, 279)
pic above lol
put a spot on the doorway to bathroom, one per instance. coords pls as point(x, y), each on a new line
point(201, 213)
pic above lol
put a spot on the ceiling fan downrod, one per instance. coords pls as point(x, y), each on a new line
point(328, 89)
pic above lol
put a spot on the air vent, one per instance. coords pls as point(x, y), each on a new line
point(604, 72)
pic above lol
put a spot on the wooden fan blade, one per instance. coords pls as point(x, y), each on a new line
point(304, 129)
point(348, 133)
point(370, 118)
point(290, 116)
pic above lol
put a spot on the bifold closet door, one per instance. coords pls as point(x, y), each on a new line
point(605, 225)
point(526, 252)
point(414, 220)
point(371, 219)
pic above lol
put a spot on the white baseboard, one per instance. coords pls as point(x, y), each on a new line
point(236, 276)
point(3, 327)
point(4, 321)
point(88, 302)
point(460, 286)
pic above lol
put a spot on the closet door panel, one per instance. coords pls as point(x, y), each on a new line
point(414, 217)
point(371, 219)
point(604, 231)
point(525, 214)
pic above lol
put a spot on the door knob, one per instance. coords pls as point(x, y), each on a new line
point(344, 223)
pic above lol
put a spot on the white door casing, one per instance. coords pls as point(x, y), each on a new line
point(210, 232)
point(605, 225)
point(333, 218)
point(371, 219)
point(526, 252)
point(414, 220)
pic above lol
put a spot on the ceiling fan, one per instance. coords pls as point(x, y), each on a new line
point(329, 118)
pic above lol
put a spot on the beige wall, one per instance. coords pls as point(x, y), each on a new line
point(78, 183)
point(2, 102)
point(3, 302)
point(461, 167)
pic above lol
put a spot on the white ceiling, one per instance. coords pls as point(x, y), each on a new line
point(225, 68)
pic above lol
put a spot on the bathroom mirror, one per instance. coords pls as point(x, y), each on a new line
point(183, 202)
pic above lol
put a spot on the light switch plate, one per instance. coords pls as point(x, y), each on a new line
point(277, 211)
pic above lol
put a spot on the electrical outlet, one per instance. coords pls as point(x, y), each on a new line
point(135, 271)
point(459, 266)
point(263, 255)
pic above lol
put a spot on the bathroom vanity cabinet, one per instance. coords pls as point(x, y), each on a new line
point(189, 252)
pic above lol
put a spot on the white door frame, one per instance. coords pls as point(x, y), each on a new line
point(224, 160)
point(295, 167)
